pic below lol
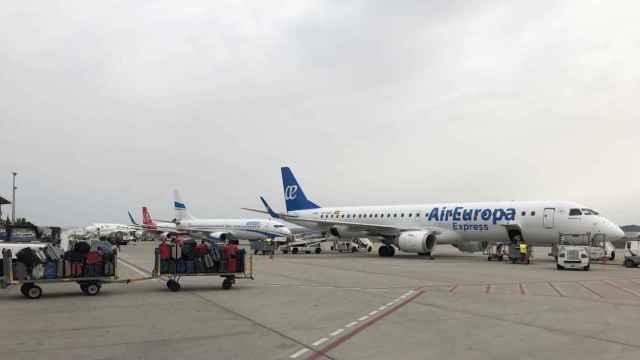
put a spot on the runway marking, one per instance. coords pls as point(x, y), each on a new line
point(523, 289)
point(373, 312)
point(364, 325)
point(382, 307)
point(134, 268)
point(298, 353)
point(363, 318)
point(453, 288)
point(488, 289)
point(590, 289)
point(556, 289)
point(351, 324)
point(628, 291)
point(337, 332)
point(321, 341)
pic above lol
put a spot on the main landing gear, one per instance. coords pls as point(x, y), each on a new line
point(386, 250)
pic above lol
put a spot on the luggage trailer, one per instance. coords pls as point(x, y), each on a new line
point(88, 285)
point(173, 279)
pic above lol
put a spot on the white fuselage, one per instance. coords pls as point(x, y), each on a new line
point(540, 222)
point(106, 229)
point(246, 229)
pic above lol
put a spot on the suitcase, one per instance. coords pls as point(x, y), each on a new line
point(188, 252)
point(27, 257)
point(215, 253)
point(76, 269)
point(89, 270)
point(50, 270)
point(200, 268)
point(19, 271)
point(240, 265)
point(108, 269)
point(222, 266)
point(165, 251)
point(82, 247)
point(99, 269)
point(181, 267)
point(176, 252)
point(93, 257)
point(52, 253)
point(67, 268)
point(164, 266)
point(173, 267)
point(38, 271)
point(190, 266)
point(208, 261)
point(42, 256)
point(60, 269)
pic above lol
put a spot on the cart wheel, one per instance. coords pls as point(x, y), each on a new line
point(627, 263)
point(33, 292)
point(24, 288)
point(285, 251)
point(488, 258)
point(500, 258)
point(318, 250)
point(91, 289)
point(83, 287)
point(227, 283)
point(295, 250)
point(586, 268)
point(559, 267)
point(354, 249)
point(173, 285)
point(255, 252)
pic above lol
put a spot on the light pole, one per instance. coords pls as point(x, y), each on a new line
point(13, 200)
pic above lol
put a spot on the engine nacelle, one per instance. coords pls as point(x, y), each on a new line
point(416, 241)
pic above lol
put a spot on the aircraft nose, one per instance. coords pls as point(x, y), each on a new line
point(614, 232)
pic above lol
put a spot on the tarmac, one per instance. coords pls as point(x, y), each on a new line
point(338, 306)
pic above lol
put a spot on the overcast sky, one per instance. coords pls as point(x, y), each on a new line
point(106, 106)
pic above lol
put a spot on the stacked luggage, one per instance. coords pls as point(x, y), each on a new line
point(51, 262)
point(192, 258)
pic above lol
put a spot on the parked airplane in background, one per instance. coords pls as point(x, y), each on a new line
point(163, 228)
point(467, 226)
point(107, 229)
point(222, 229)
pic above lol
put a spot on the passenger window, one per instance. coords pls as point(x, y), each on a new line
point(533, 213)
point(410, 214)
point(575, 212)
point(395, 215)
point(388, 215)
point(524, 213)
point(402, 215)
point(417, 214)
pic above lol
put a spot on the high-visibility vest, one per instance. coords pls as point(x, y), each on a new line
point(523, 248)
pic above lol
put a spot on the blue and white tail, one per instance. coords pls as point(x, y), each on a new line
point(293, 195)
point(180, 207)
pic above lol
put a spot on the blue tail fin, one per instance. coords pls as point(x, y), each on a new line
point(131, 218)
point(272, 213)
point(293, 195)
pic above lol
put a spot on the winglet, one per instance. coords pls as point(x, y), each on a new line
point(272, 213)
point(131, 218)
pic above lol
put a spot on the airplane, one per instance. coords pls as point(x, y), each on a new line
point(163, 228)
point(467, 226)
point(106, 229)
point(224, 229)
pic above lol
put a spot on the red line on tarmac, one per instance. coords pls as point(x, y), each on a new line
point(453, 288)
point(523, 290)
point(341, 340)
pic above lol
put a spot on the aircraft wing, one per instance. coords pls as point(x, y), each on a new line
point(372, 229)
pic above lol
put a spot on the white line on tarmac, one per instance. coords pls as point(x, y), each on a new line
point(145, 274)
point(364, 318)
point(373, 312)
point(300, 352)
point(382, 307)
point(389, 304)
point(336, 332)
point(351, 324)
point(321, 341)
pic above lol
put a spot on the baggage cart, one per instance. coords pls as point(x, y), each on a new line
point(173, 278)
point(31, 289)
point(497, 251)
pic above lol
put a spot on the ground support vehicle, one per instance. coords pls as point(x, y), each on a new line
point(299, 247)
point(497, 251)
point(600, 250)
point(31, 288)
point(173, 278)
point(632, 254)
point(353, 245)
point(574, 251)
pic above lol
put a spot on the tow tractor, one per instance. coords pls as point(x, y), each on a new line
point(632, 254)
point(599, 249)
point(574, 251)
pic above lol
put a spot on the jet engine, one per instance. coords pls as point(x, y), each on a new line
point(416, 241)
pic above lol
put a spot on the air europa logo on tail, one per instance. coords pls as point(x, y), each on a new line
point(462, 214)
point(290, 192)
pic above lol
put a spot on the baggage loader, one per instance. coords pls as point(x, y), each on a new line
point(29, 284)
point(170, 270)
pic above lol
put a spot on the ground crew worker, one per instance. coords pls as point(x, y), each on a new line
point(269, 243)
point(524, 248)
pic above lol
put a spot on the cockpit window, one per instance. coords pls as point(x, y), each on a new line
point(575, 212)
point(589, 212)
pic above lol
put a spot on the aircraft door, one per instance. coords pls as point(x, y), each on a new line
point(548, 218)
